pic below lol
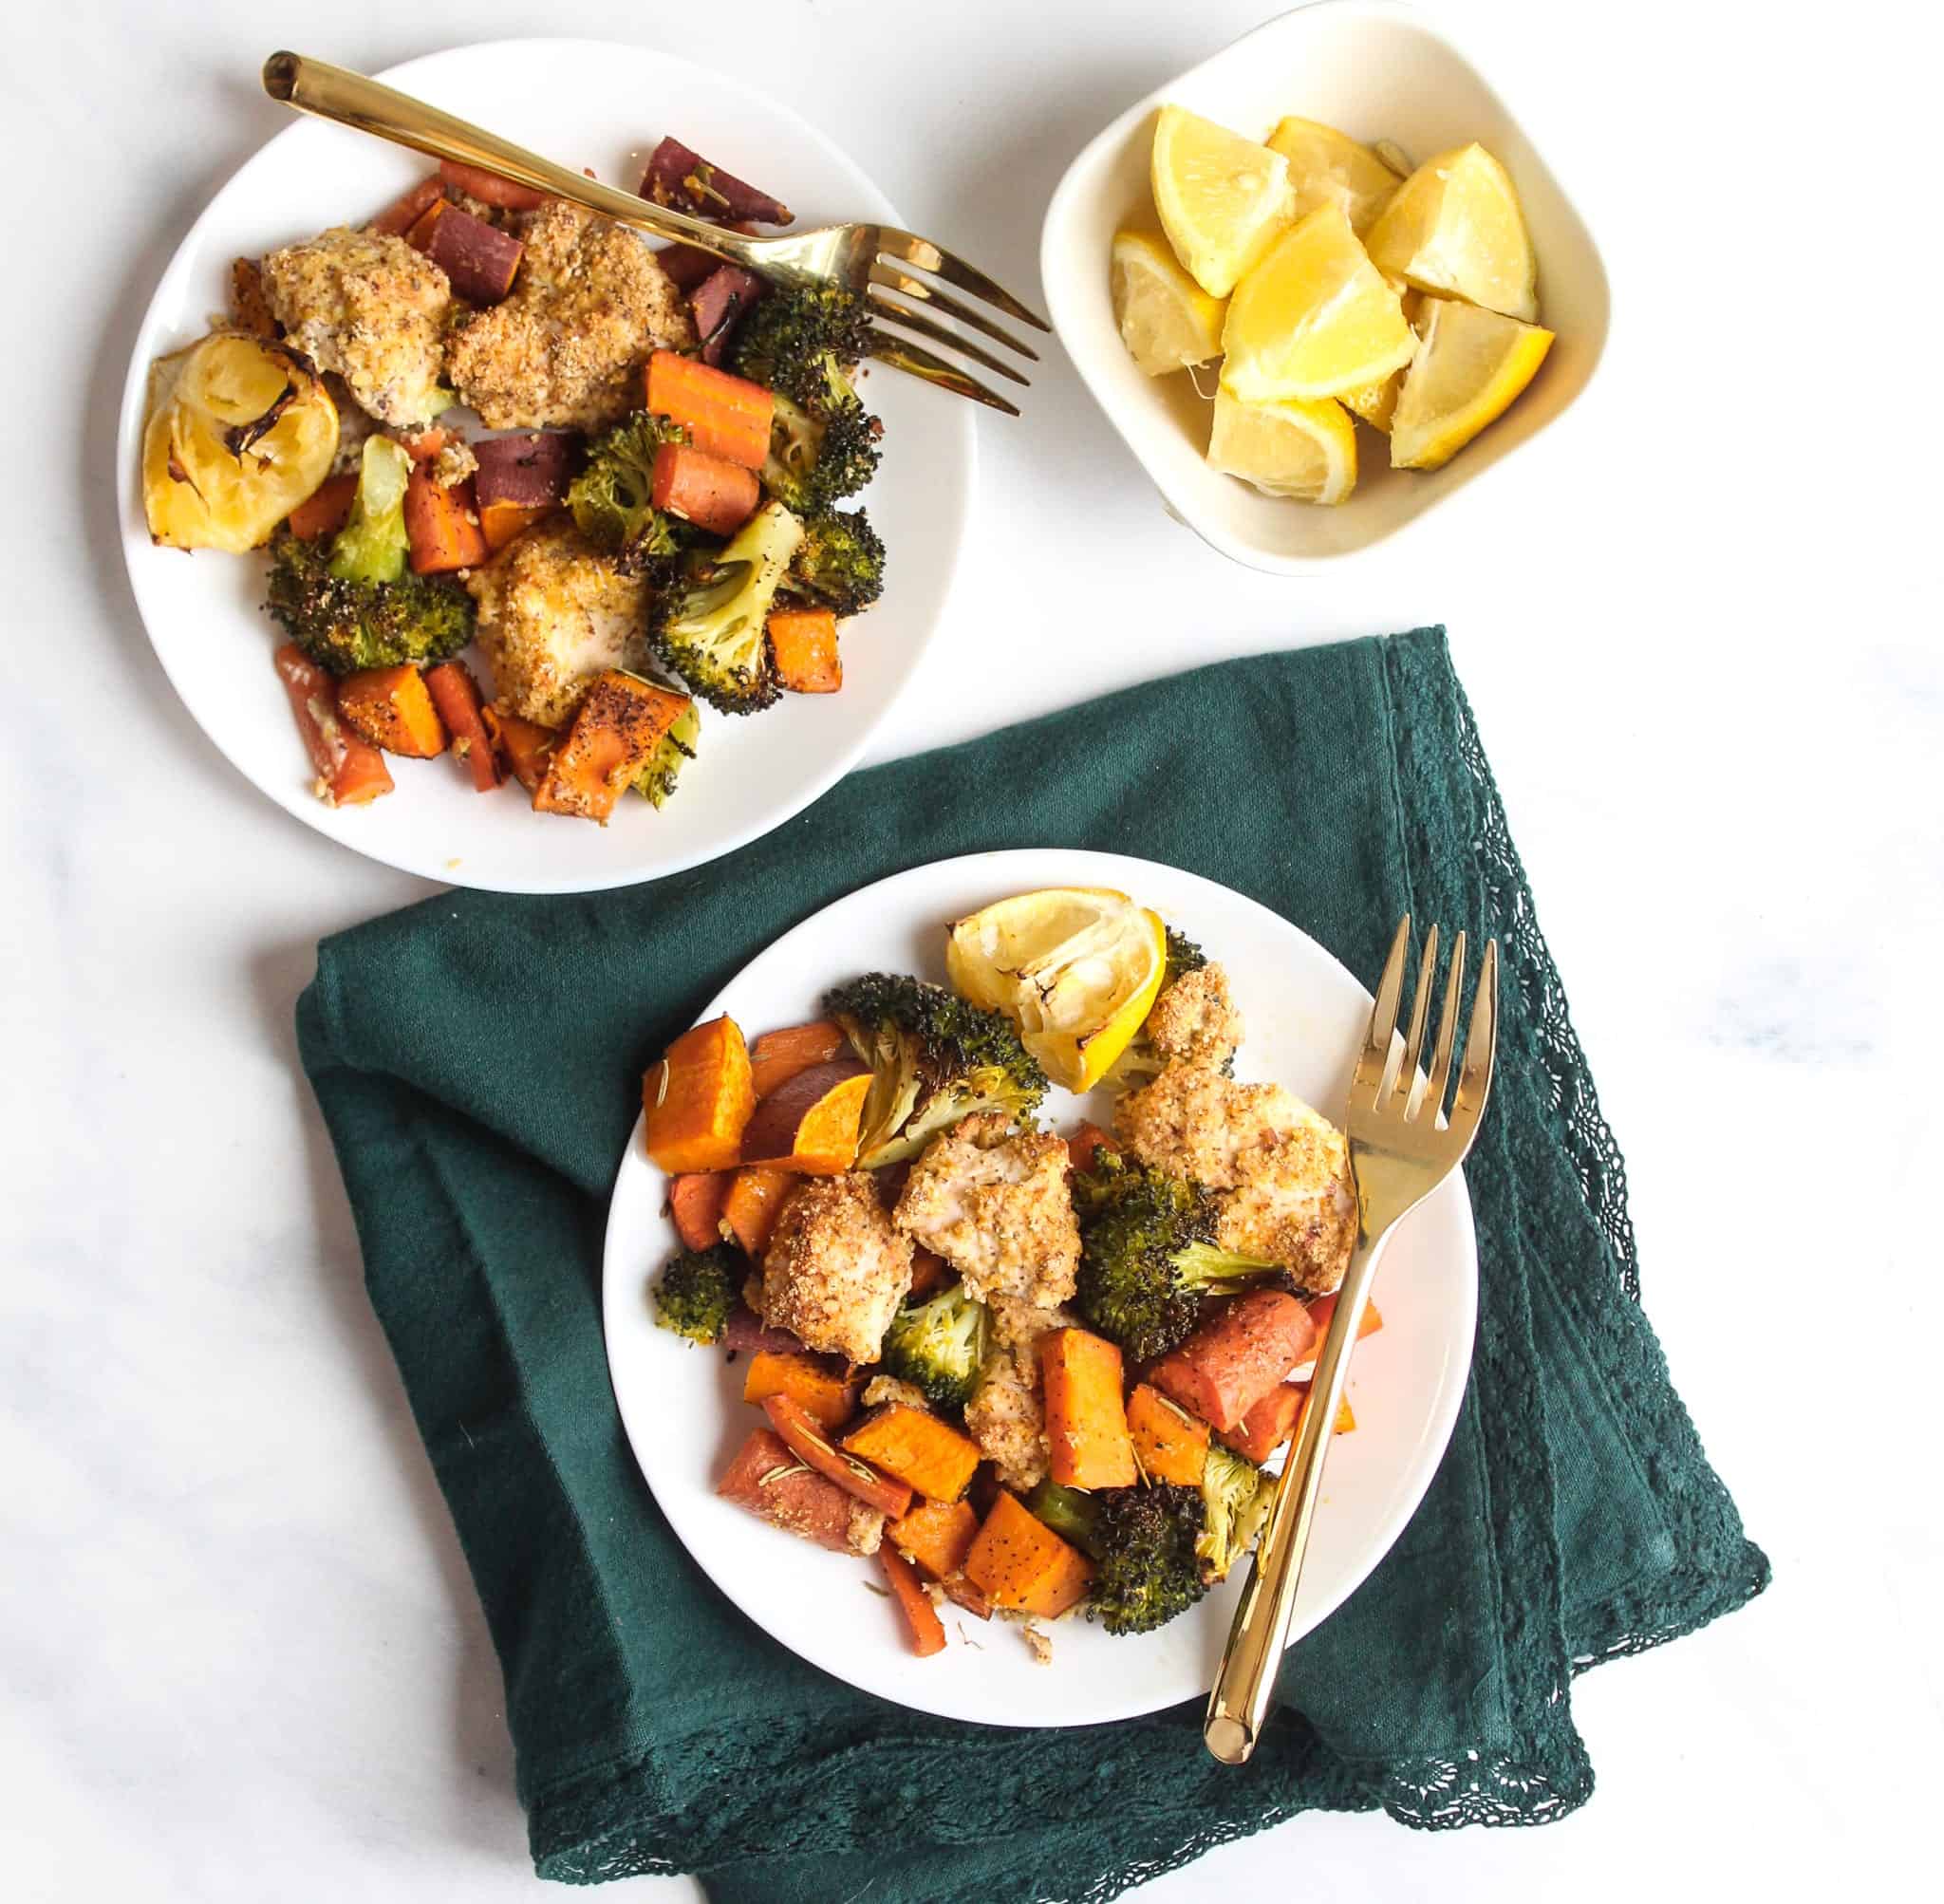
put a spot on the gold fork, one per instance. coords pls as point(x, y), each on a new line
point(1400, 1152)
point(870, 259)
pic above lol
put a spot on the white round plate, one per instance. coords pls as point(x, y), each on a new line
point(585, 104)
point(682, 1407)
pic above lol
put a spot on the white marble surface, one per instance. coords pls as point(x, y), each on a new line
point(239, 1657)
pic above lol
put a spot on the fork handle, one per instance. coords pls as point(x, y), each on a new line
point(1245, 1685)
point(331, 93)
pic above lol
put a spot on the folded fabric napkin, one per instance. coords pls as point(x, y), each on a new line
point(477, 1059)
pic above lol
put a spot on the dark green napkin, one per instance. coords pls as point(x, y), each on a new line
point(477, 1059)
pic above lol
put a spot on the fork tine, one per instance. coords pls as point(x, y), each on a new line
point(1481, 1044)
point(934, 369)
point(891, 278)
point(1434, 1100)
point(921, 254)
point(1420, 1009)
point(888, 313)
point(1376, 1058)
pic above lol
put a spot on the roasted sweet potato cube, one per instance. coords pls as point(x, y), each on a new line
point(697, 1099)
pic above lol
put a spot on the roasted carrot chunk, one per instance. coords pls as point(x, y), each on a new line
point(708, 490)
point(456, 695)
point(349, 769)
point(441, 524)
point(751, 1205)
point(404, 212)
point(697, 1099)
point(1085, 1145)
point(921, 1618)
point(489, 187)
point(727, 417)
point(524, 747)
point(1323, 1307)
point(695, 1206)
point(326, 510)
point(803, 1436)
point(392, 708)
point(804, 642)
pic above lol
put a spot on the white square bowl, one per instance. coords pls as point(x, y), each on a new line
point(1375, 69)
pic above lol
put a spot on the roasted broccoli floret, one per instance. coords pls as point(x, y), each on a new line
point(804, 341)
point(1236, 1498)
point(1148, 1256)
point(673, 752)
point(816, 461)
point(1147, 1569)
point(709, 623)
point(611, 498)
point(934, 1057)
point(1183, 955)
point(351, 603)
point(842, 561)
point(939, 1345)
point(697, 1290)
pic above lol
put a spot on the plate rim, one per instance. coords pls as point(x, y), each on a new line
point(434, 866)
point(1432, 1447)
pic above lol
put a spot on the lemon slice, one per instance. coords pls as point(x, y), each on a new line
point(1292, 448)
point(1455, 227)
point(240, 431)
point(1222, 197)
point(1468, 369)
point(1076, 968)
point(1167, 320)
point(1314, 318)
point(1376, 403)
point(1327, 167)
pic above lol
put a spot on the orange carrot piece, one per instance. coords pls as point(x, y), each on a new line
point(750, 1209)
point(392, 708)
point(936, 1536)
point(804, 1438)
point(1086, 1420)
point(921, 1618)
point(1325, 1306)
point(1019, 1561)
point(489, 187)
point(917, 1447)
point(695, 1206)
point(350, 772)
point(696, 1100)
point(326, 510)
point(500, 522)
point(828, 1399)
point(728, 417)
point(404, 212)
point(619, 723)
point(524, 747)
point(457, 697)
point(1085, 1145)
point(804, 642)
point(441, 524)
point(708, 490)
point(776, 1058)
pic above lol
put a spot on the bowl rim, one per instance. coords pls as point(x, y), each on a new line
point(1054, 276)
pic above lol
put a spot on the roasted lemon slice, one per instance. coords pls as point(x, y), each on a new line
point(1455, 227)
point(1327, 167)
point(1314, 318)
point(1167, 320)
point(1222, 197)
point(1307, 451)
point(1076, 968)
point(1467, 370)
point(240, 431)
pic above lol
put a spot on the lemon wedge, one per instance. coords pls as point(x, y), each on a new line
point(1327, 167)
point(1076, 968)
point(1167, 320)
point(1222, 197)
point(1314, 318)
point(1468, 369)
point(1455, 227)
point(1292, 448)
point(1376, 403)
point(240, 431)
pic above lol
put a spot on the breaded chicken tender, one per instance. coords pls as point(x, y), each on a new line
point(836, 1268)
point(993, 1202)
point(554, 611)
point(1005, 1415)
point(1195, 1020)
point(1281, 1171)
point(565, 350)
point(368, 307)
